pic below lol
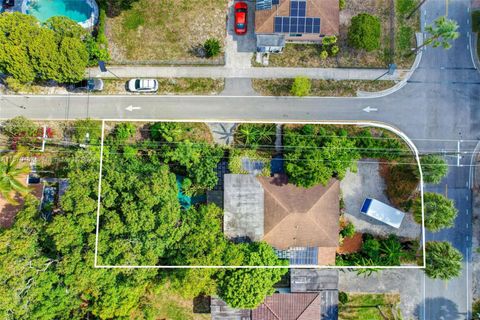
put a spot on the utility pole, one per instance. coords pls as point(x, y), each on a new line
point(416, 8)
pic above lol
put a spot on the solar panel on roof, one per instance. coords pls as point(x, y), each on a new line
point(263, 5)
point(302, 8)
point(278, 24)
point(316, 25)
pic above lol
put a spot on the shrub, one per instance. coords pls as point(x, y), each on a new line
point(364, 32)
point(434, 168)
point(212, 47)
point(404, 38)
point(371, 247)
point(324, 54)
point(86, 130)
point(255, 135)
point(329, 40)
point(342, 4)
point(301, 86)
point(342, 297)
point(440, 212)
point(348, 231)
point(334, 50)
point(20, 126)
point(14, 84)
point(401, 181)
point(404, 7)
point(124, 131)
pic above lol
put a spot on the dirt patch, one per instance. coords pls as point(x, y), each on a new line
point(351, 245)
point(166, 31)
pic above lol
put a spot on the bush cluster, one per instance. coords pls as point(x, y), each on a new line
point(364, 32)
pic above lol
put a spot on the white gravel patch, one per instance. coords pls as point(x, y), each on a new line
point(367, 183)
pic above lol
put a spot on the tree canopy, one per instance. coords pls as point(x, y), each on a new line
point(434, 168)
point(247, 288)
point(443, 261)
point(440, 212)
point(314, 154)
point(52, 51)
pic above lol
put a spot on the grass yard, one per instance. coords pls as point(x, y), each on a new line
point(165, 31)
point(308, 55)
point(167, 304)
point(323, 88)
point(203, 86)
point(370, 306)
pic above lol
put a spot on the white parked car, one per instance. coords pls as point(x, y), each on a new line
point(143, 85)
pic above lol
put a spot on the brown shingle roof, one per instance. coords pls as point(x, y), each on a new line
point(299, 217)
point(327, 10)
point(289, 306)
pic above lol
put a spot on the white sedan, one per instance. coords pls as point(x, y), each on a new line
point(143, 85)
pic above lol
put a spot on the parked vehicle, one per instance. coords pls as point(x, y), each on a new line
point(382, 212)
point(8, 3)
point(89, 85)
point(143, 85)
point(241, 13)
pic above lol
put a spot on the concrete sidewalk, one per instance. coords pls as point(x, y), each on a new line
point(253, 73)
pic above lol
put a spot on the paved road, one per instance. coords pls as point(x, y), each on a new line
point(439, 109)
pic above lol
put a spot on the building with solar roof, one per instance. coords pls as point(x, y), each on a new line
point(295, 20)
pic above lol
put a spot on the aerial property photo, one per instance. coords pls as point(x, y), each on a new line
point(239, 159)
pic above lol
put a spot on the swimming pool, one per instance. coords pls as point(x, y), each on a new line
point(85, 12)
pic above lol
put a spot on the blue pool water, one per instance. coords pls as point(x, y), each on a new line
point(77, 10)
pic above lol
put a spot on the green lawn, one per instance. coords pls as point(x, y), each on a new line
point(370, 306)
point(164, 31)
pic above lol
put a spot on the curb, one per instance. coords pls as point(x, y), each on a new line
point(403, 82)
point(473, 49)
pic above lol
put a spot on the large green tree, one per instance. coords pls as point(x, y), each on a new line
point(248, 287)
point(443, 261)
point(313, 154)
point(31, 51)
point(440, 212)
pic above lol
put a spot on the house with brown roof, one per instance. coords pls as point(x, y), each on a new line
point(294, 20)
point(301, 224)
point(313, 295)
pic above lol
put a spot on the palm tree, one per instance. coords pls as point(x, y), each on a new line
point(441, 33)
point(443, 261)
point(10, 172)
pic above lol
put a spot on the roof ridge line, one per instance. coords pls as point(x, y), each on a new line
point(313, 300)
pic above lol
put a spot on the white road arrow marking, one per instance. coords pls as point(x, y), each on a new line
point(369, 109)
point(131, 108)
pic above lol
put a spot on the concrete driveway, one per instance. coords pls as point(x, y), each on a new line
point(367, 182)
point(239, 49)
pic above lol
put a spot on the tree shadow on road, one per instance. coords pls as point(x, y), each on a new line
point(437, 308)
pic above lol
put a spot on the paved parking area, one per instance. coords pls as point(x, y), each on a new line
point(239, 49)
point(406, 282)
point(367, 182)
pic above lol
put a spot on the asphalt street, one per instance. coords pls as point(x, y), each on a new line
point(439, 109)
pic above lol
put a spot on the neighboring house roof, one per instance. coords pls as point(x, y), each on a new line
point(327, 10)
point(299, 217)
point(243, 207)
point(313, 280)
point(289, 306)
